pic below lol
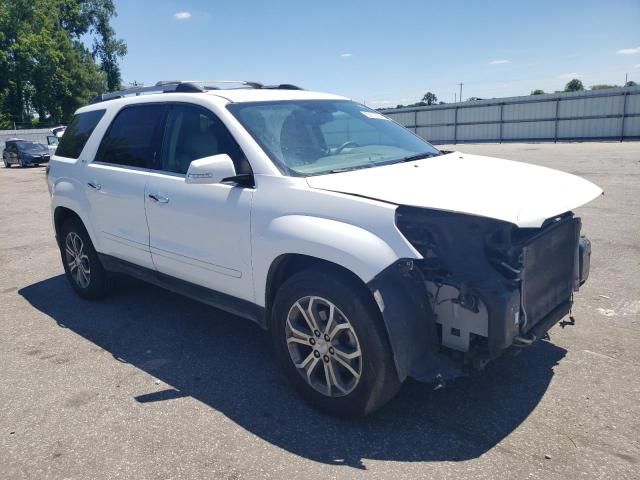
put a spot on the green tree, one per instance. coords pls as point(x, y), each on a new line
point(631, 83)
point(429, 98)
point(537, 92)
point(45, 69)
point(106, 47)
point(574, 85)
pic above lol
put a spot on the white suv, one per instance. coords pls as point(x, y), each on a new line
point(369, 254)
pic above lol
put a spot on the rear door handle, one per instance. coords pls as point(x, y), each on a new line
point(94, 185)
point(156, 197)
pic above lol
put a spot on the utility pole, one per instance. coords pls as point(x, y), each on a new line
point(626, 79)
point(455, 97)
point(461, 90)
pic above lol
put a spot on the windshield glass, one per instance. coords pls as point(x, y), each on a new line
point(313, 137)
point(25, 145)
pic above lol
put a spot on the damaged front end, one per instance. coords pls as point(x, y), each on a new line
point(482, 286)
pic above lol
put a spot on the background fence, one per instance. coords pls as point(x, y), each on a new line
point(33, 135)
point(611, 114)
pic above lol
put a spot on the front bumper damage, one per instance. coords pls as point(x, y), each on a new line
point(483, 286)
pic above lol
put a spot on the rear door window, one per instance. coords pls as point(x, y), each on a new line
point(133, 137)
point(76, 135)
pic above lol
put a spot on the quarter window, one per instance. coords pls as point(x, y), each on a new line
point(77, 133)
point(193, 133)
point(132, 138)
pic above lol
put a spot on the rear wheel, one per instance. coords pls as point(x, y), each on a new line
point(81, 264)
point(332, 344)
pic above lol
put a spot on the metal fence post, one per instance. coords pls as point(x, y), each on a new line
point(624, 114)
point(555, 127)
point(415, 121)
point(501, 113)
point(455, 126)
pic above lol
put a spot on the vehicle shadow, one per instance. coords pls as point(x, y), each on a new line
point(227, 363)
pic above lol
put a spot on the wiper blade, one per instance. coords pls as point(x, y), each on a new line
point(419, 156)
point(350, 169)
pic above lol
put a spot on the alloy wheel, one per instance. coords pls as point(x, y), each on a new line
point(323, 346)
point(77, 260)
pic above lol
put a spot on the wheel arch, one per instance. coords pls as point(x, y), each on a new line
point(68, 199)
point(288, 264)
point(63, 213)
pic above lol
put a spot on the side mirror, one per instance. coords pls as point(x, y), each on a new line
point(210, 170)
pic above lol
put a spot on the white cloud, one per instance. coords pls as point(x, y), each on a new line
point(569, 76)
point(498, 62)
point(346, 55)
point(182, 15)
point(628, 51)
point(637, 65)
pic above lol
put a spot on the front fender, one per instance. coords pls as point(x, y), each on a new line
point(352, 247)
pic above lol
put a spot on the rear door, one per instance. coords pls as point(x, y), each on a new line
point(116, 180)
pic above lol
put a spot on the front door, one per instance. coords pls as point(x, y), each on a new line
point(115, 182)
point(199, 233)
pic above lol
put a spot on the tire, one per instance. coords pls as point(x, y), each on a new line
point(6, 164)
point(81, 264)
point(348, 395)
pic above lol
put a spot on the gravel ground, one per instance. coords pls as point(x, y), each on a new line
point(147, 384)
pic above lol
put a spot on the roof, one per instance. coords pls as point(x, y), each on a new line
point(234, 95)
point(238, 95)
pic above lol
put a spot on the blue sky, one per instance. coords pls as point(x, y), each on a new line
point(384, 53)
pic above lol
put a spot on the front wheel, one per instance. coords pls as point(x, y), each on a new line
point(6, 164)
point(332, 344)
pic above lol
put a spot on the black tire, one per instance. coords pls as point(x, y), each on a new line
point(378, 382)
point(98, 279)
point(6, 164)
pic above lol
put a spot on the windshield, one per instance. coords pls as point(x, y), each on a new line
point(30, 146)
point(313, 137)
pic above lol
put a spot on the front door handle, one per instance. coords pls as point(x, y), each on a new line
point(94, 185)
point(156, 197)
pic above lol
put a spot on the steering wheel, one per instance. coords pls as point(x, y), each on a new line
point(348, 143)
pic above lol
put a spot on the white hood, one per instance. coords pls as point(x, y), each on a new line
point(515, 192)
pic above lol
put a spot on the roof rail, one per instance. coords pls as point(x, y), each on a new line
point(157, 88)
point(283, 86)
point(208, 84)
point(186, 86)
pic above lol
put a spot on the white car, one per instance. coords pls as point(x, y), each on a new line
point(54, 138)
point(369, 254)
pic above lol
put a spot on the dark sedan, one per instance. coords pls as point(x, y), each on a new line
point(24, 153)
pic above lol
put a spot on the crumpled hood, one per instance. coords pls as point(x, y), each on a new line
point(519, 193)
